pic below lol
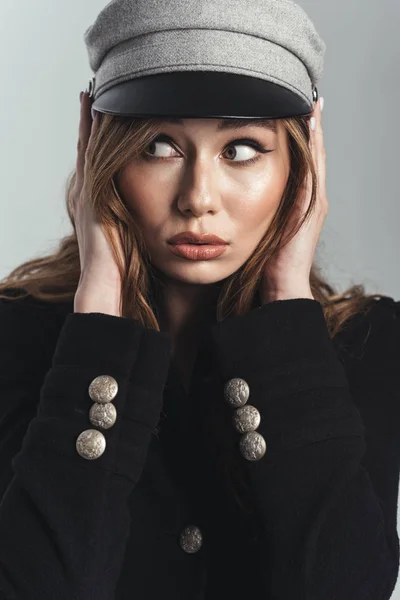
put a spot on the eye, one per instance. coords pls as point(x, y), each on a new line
point(161, 143)
point(243, 156)
point(246, 143)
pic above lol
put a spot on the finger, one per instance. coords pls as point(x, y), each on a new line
point(86, 119)
point(306, 187)
point(304, 198)
point(317, 148)
point(320, 150)
point(312, 138)
point(318, 133)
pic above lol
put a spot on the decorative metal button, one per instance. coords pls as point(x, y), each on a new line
point(103, 415)
point(252, 445)
point(91, 85)
point(90, 444)
point(191, 539)
point(246, 418)
point(103, 389)
point(236, 392)
point(315, 94)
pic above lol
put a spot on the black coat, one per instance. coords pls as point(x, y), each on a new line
point(313, 519)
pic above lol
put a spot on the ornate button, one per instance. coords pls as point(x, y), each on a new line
point(103, 389)
point(91, 85)
point(191, 539)
point(103, 415)
point(252, 445)
point(90, 444)
point(246, 418)
point(236, 392)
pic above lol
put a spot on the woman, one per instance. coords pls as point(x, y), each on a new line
point(191, 422)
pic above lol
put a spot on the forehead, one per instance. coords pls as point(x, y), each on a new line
point(227, 124)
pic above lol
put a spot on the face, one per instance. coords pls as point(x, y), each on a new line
point(196, 176)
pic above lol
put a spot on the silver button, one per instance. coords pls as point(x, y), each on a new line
point(103, 415)
point(246, 418)
point(103, 389)
point(90, 444)
point(191, 539)
point(252, 445)
point(91, 86)
point(236, 392)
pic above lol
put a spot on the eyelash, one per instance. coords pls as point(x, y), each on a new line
point(249, 142)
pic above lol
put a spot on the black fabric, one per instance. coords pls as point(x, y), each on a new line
point(315, 518)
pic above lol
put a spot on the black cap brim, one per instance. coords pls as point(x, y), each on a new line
point(202, 94)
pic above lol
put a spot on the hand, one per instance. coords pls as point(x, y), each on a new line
point(99, 271)
point(287, 275)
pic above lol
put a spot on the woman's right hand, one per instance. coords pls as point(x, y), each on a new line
point(100, 277)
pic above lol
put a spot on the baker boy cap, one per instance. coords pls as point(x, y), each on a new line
point(204, 58)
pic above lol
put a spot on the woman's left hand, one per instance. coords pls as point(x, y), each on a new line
point(287, 275)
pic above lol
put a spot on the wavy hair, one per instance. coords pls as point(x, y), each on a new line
point(55, 276)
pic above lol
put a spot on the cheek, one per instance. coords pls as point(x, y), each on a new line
point(141, 197)
point(249, 203)
point(256, 206)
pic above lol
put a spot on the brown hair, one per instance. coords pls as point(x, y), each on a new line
point(54, 278)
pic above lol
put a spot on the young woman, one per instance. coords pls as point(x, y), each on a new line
point(183, 416)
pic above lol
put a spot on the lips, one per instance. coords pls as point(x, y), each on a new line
point(195, 252)
point(188, 237)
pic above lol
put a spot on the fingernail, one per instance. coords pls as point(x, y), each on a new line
point(321, 103)
point(312, 123)
point(80, 97)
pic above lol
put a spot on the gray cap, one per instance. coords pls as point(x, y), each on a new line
point(204, 58)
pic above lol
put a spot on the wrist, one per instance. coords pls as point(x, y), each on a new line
point(96, 307)
point(98, 300)
point(274, 295)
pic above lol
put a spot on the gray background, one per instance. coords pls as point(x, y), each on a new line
point(44, 66)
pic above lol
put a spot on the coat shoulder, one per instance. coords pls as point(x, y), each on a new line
point(371, 340)
point(29, 329)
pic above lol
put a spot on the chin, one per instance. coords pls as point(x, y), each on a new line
point(197, 272)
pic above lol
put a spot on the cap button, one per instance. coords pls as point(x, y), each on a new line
point(91, 86)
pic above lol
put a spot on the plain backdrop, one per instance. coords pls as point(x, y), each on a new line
point(44, 66)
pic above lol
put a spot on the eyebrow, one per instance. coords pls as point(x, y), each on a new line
point(225, 124)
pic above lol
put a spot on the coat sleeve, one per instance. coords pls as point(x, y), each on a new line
point(327, 508)
point(64, 519)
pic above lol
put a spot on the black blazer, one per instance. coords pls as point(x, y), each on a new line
point(172, 509)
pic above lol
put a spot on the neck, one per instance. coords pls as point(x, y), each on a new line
point(183, 308)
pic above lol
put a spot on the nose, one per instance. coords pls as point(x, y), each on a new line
point(196, 205)
point(198, 195)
